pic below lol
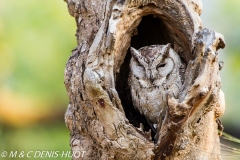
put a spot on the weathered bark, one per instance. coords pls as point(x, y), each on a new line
point(100, 115)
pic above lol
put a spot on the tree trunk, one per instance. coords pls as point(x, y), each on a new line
point(101, 117)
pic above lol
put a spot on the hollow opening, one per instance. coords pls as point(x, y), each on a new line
point(151, 31)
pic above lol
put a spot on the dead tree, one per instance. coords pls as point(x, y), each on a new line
point(101, 116)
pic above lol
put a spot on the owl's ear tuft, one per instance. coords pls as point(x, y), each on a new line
point(138, 56)
point(166, 49)
point(135, 53)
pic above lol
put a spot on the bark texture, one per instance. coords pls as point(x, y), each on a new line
point(100, 115)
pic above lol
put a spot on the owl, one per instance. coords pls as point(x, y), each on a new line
point(154, 71)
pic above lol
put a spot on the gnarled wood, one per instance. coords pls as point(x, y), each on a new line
point(100, 115)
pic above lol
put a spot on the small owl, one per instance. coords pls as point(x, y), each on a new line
point(154, 71)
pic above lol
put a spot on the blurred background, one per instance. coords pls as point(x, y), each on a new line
point(36, 39)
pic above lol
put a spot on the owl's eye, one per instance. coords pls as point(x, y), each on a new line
point(140, 66)
point(161, 65)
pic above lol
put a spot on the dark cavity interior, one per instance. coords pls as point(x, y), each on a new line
point(151, 31)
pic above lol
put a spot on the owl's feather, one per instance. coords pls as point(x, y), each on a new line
point(154, 71)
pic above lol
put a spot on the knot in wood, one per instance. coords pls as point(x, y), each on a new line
point(204, 91)
point(101, 102)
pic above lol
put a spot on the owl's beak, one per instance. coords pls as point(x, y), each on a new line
point(149, 75)
point(151, 79)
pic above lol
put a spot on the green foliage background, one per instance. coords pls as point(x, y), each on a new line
point(223, 17)
point(36, 39)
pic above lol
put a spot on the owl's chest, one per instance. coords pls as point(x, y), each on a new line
point(153, 97)
point(151, 103)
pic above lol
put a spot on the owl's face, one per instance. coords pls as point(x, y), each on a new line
point(152, 64)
